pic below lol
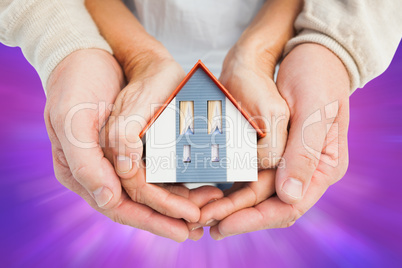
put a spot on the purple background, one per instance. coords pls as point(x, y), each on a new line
point(358, 222)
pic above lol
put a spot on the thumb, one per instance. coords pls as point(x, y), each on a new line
point(307, 135)
point(125, 144)
point(313, 81)
point(79, 144)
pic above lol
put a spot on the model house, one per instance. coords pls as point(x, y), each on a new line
point(201, 134)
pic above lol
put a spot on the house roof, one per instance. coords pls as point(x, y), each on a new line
point(201, 65)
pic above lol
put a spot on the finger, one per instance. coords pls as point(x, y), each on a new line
point(199, 196)
point(250, 195)
point(309, 123)
point(128, 212)
point(267, 109)
point(272, 115)
point(160, 199)
point(135, 106)
point(145, 218)
point(125, 144)
point(196, 233)
point(235, 187)
point(303, 150)
point(204, 195)
point(334, 157)
point(272, 213)
point(175, 188)
point(314, 95)
point(77, 147)
point(133, 110)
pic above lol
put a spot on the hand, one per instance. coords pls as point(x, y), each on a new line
point(74, 116)
point(315, 84)
point(152, 75)
point(249, 78)
point(247, 73)
point(152, 79)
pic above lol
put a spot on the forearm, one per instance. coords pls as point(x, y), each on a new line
point(48, 31)
point(271, 28)
point(131, 44)
point(363, 34)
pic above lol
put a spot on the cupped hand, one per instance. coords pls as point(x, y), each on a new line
point(315, 85)
point(249, 78)
point(151, 80)
point(80, 92)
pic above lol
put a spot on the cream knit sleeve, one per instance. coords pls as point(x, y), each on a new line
point(363, 34)
point(48, 30)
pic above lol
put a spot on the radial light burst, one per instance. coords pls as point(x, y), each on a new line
point(357, 223)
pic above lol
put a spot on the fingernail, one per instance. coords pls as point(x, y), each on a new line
point(195, 228)
point(210, 221)
point(124, 164)
point(102, 196)
point(220, 236)
point(212, 200)
point(293, 188)
point(186, 220)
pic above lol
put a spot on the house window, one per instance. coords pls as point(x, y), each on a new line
point(186, 117)
point(215, 117)
point(187, 154)
point(215, 152)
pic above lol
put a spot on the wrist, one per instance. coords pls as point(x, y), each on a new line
point(313, 72)
point(76, 64)
point(137, 61)
point(257, 53)
point(267, 35)
point(250, 56)
point(256, 41)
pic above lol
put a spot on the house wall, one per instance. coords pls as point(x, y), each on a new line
point(161, 147)
point(241, 149)
point(237, 143)
point(200, 89)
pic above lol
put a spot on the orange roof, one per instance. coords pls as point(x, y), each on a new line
point(201, 65)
